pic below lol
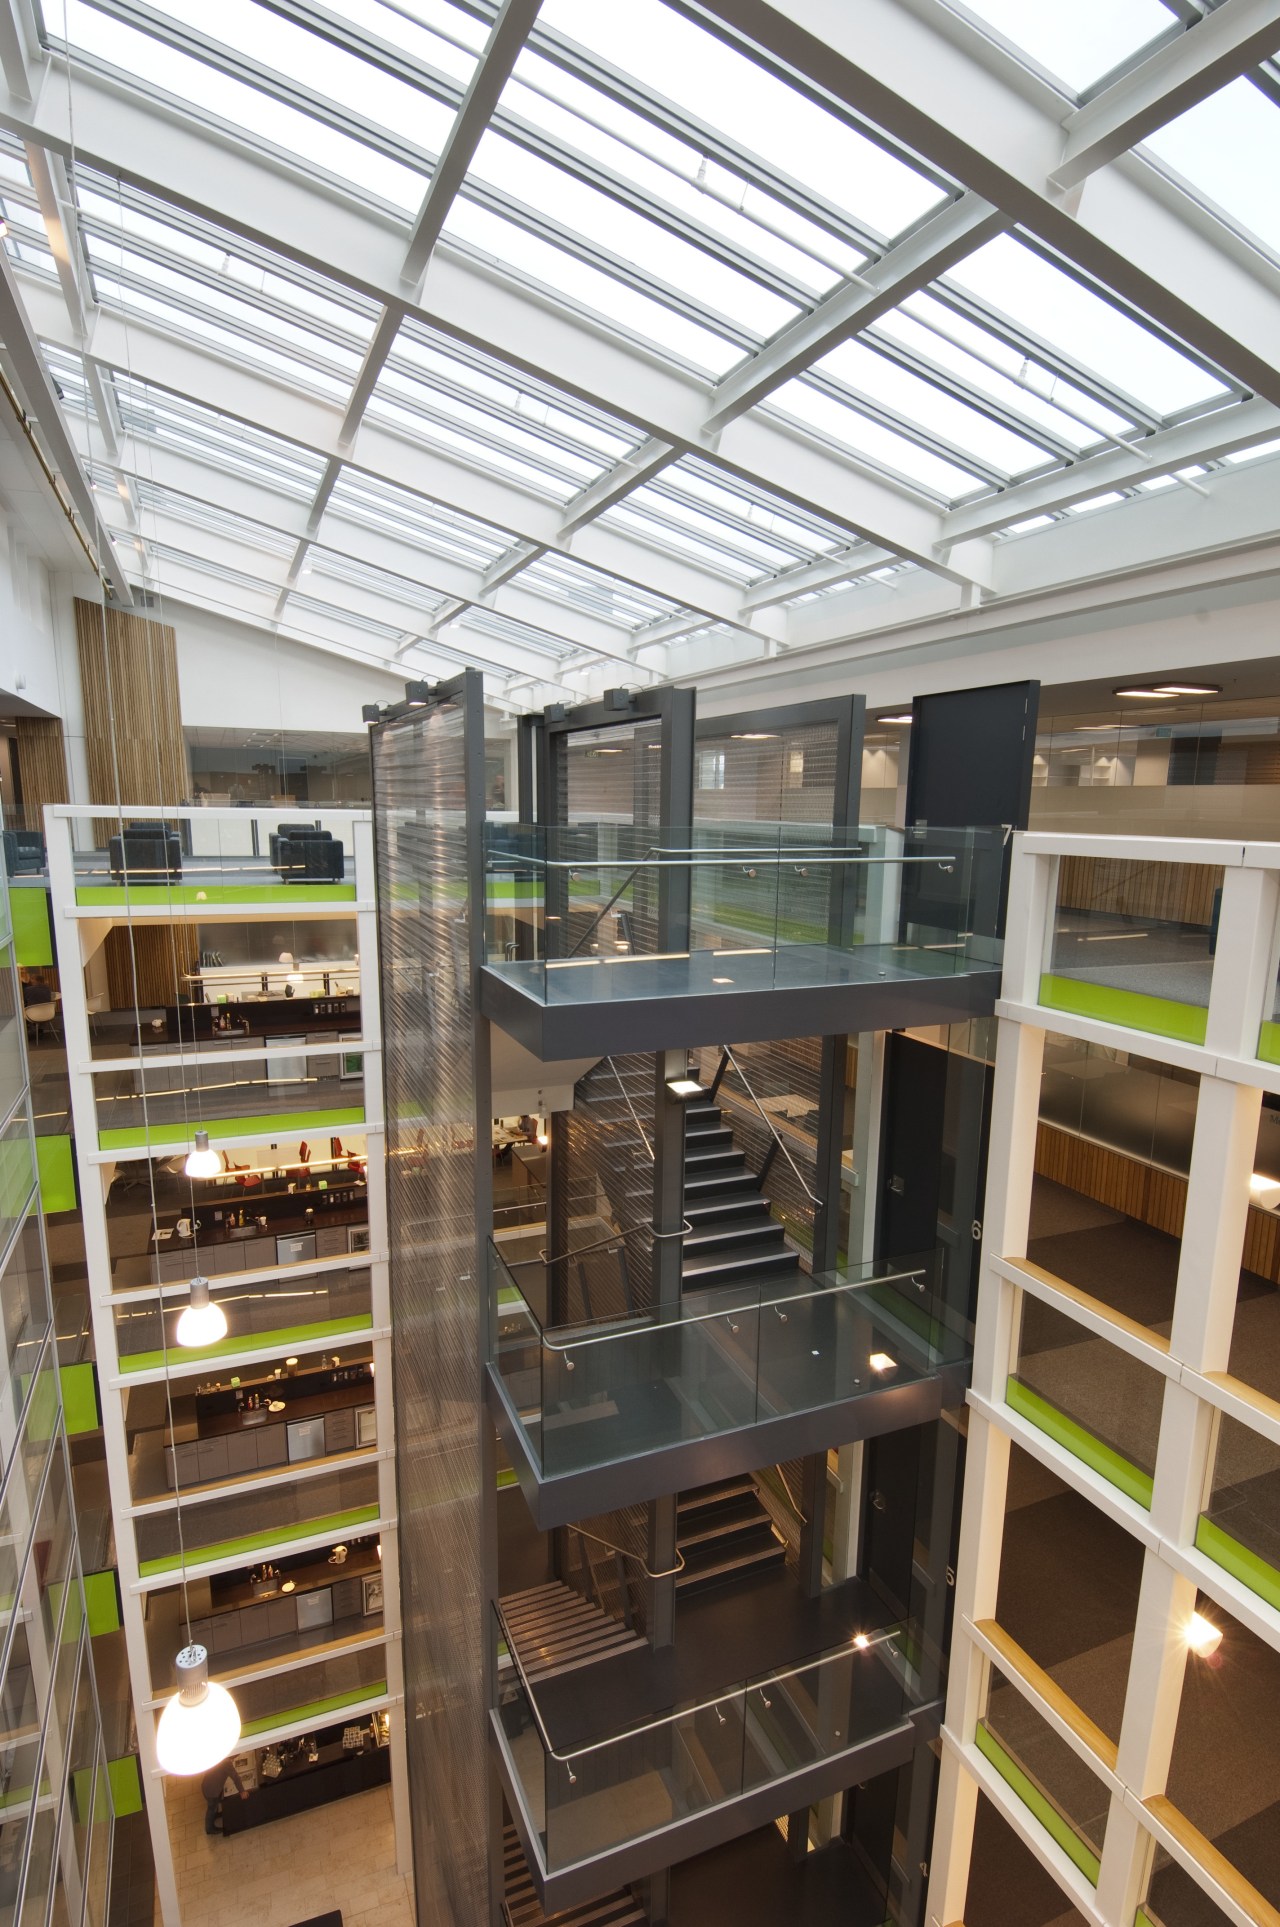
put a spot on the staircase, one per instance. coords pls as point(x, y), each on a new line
point(521, 1906)
point(555, 1630)
point(723, 1532)
point(734, 1241)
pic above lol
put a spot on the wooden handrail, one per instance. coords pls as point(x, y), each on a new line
point(1015, 1660)
point(1267, 1408)
point(1210, 1861)
point(1087, 1302)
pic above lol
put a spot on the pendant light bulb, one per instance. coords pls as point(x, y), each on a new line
point(201, 1161)
point(202, 1322)
point(200, 1725)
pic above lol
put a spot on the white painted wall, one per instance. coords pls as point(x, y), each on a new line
point(232, 675)
point(26, 622)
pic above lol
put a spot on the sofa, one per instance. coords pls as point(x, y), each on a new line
point(300, 853)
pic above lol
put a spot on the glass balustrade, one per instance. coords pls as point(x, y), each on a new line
point(606, 910)
point(589, 1394)
point(276, 1312)
point(1239, 1528)
point(592, 1798)
point(1049, 1777)
point(332, 1505)
point(1089, 1396)
point(1133, 941)
point(145, 858)
point(304, 1082)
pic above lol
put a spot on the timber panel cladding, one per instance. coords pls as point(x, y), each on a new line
point(1144, 1192)
point(136, 756)
point(134, 746)
point(42, 766)
point(421, 767)
point(1133, 887)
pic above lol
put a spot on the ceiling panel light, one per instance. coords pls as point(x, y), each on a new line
point(1162, 692)
point(898, 716)
point(881, 1362)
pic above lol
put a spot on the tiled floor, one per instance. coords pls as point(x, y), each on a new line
point(342, 1856)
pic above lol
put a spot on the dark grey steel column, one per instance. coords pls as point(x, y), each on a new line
point(676, 814)
point(668, 1260)
point(813, 1506)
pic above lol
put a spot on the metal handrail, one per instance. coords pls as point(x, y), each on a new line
point(668, 1573)
point(777, 1137)
point(792, 1501)
point(674, 860)
point(596, 921)
point(709, 1317)
point(596, 1244)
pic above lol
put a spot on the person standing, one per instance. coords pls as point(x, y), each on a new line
point(214, 1786)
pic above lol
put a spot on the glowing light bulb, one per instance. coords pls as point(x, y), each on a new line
point(201, 1161)
point(202, 1322)
point(1203, 1637)
point(201, 1723)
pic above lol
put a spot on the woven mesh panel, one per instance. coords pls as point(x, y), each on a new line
point(419, 771)
point(610, 1183)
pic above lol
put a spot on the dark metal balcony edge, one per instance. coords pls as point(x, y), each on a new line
point(712, 1826)
point(553, 1031)
point(566, 1497)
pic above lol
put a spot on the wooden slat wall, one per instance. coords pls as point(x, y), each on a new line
point(1134, 887)
point(1143, 1192)
point(42, 766)
point(133, 722)
point(136, 755)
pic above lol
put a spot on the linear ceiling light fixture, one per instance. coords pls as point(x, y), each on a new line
point(1163, 692)
point(902, 716)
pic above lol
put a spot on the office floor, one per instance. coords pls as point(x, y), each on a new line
point(340, 1856)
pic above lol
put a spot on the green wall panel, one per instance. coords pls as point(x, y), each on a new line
point(315, 1711)
point(161, 896)
point(274, 1124)
point(331, 1527)
point(102, 1599)
point(1133, 1008)
point(1080, 1442)
point(287, 1336)
point(56, 1165)
point(80, 1398)
point(32, 935)
point(1055, 1824)
point(1246, 1566)
point(126, 1785)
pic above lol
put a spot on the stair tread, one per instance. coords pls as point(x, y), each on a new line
point(726, 1529)
point(716, 1492)
point(738, 1267)
point(765, 1555)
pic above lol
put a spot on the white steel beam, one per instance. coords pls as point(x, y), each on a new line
point(1217, 49)
point(178, 158)
point(41, 402)
point(53, 196)
point(932, 81)
point(501, 51)
point(817, 575)
point(943, 240)
point(20, 53)
point(1206, 439)
point(375, 359)
point(506, 566)
point(640, 466)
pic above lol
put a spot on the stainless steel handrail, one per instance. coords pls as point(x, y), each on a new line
point(777, 1137)
point(596, 1244)
point(673, 860)
point(729, 1313)
point(669, 1572)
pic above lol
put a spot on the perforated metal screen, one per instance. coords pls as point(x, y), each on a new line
point(424, 767)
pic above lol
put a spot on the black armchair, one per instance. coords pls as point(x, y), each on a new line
point(23, 853)
point(145, 854)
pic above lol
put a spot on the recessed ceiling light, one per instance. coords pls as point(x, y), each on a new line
point(1165, 691)
point(903, 716)
point(881, 1362)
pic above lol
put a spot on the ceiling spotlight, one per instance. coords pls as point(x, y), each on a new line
point(1264, 1191)
point(899, 716)
point(881, 1362)
point(201, 1161)
point(202, 1322)
point(861, 1641)
point(1203, 1637)
point(201, 1723)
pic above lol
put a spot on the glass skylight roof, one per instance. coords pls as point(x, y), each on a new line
point(472, 407)
point(261, 108)
point(666, 199)
point(766, 117)
point(1227, 150)
point(1077, 44)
